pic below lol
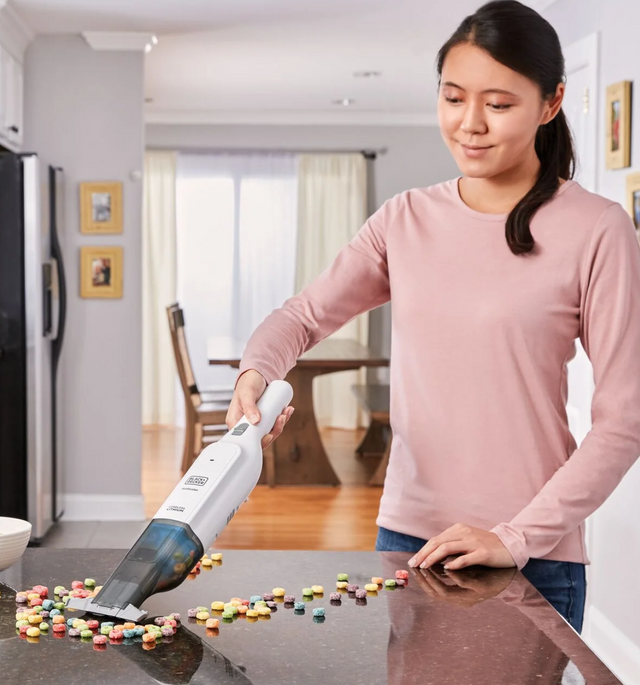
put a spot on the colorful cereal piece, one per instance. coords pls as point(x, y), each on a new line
point(166, 631)
point(77, 585)
point(267, 597)
point(63, 593)
point(191, 613)
point(34, 619)
point(217, 556)
point(105, 630)
point(231, 607)
point(401, 573)
point(116, 635)
point(206, 562)
point(307, 592)
point(371, 587)
point(335, 597)
point(59, 628)
point(35, 602)
point(60, 606)
point(22, 622)
point(169, 622)
point(299, 606)
point(361, 593)
point(149, 637)
point(390, 582)
point(263, 611)
point(99, 639)
point(129, 633)
point(377, 580)
point(86, 633)
point(252, 613)
point(89, 582)
point(33, 631)
point(272, 605)
point(318, 611)
point(278, 592)
point(317, 589)
point(343, 576)
point(44, 627)
point(213, 623)
point(42, 590)
point(242, 609)
point(255, 598)
point(228, 614)
point(58, 619)
point(176, 617)
point(46, 614)
point(23, 629)
point(289, 599)
point(48, 604)
point(217, 606)
point(342, 584)
point(352, 587)
point(401, 582)
point(260, 603)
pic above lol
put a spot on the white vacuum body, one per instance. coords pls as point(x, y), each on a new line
point(192, 517)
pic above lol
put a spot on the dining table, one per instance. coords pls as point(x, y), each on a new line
point(299, 454)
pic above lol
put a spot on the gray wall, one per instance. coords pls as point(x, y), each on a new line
point(615, 537)
point(416, 156)
point(84, 112)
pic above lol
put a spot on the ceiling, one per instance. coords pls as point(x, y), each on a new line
point(276, 61)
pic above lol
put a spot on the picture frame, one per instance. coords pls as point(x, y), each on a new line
point(101, 207)
point(633, 199)
point(101, 269)
point(618, 117)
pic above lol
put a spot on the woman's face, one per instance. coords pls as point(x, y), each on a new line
point(482, 103)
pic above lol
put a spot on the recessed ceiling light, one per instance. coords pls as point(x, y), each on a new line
point(147, 47)
point(367, 74)
point(345, 102)
point(154, 40)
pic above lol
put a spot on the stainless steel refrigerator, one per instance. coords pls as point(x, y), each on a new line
point(32, 317)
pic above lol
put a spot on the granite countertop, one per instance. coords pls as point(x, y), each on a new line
point(497, 630)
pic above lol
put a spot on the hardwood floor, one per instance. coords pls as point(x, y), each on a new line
point(284, 517)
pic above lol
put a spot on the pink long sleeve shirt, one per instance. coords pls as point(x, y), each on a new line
point(480, 343)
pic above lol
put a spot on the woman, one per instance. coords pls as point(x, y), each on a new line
point(492, 277)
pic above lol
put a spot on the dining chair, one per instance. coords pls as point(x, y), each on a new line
point(205, 414)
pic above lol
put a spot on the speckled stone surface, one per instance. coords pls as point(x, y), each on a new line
point(493, 629)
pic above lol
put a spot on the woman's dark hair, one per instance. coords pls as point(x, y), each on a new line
point(518, 37)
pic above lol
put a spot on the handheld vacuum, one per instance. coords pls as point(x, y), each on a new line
point(192, 517)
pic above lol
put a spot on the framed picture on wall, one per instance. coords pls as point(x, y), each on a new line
point(101, 207)
point(101, 271)
point(633, 198)
point(618, 116)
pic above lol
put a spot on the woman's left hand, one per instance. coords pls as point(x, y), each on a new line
point(474, 545)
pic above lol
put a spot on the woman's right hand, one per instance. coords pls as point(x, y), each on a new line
point(249, 389)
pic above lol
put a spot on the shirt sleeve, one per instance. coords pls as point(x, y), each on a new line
point(357, 281)
point(610, 335)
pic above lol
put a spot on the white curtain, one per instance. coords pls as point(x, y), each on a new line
point(236, 247)
point(332, 206)
point(158, 286)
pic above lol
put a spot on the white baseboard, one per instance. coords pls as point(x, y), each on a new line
point(103, 508)
point(620, 654)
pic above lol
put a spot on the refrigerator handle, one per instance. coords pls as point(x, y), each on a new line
point(50, 299)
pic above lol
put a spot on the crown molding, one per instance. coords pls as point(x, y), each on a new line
point(15, 32)
point(119, 40)
point(244, 117)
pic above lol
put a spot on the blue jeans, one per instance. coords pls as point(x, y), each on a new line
point(562, 583)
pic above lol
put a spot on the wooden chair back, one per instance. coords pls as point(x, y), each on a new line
point(181, 352)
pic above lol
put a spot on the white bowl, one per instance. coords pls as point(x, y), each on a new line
point(14, 537)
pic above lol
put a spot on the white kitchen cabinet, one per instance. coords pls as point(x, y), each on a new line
point(11, 99)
